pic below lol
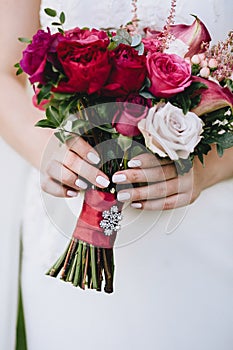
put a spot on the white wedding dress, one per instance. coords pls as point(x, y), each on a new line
point(174, 269)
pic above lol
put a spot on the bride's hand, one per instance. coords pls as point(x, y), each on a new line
point(164, 188)
point(71, 168)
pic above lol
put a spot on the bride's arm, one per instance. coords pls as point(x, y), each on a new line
point(166, 190)
point(18, 116)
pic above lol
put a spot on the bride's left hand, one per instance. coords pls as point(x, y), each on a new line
point(164, 188)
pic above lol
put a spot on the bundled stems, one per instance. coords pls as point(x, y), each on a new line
point(83, 265)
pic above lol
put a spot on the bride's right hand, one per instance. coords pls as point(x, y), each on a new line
point(71, 169)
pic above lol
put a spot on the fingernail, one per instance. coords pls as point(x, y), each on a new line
point(118, 178)
point(71, 193)
point(134, 163)
point(92, 157)
point(102, 181)
point(136, 205)
point(123, 196)
point(80, 183)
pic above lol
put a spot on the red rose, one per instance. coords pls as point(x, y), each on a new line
point(128, 72)
point(169, 74)
point(84, 58)
point(129, 113)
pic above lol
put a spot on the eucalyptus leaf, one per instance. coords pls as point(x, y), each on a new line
point(56, 24)
point(140, 49)
point(50, 12)
point(136, 40)
point(146, 94)
point(25, 40)
point(62, 17)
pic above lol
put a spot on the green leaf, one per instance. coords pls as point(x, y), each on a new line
point(60, 30)
point(61, 97)
point(112, 46)
point(50, 12)
point(107, 129)
point(225, 140)
point(56, 24)
point(25, 40)
point(53, 116)
point(19, 71)
point(62, 17)
point(79, 124)
point(124, 142)
point(44, 93)
point(183, 166)
point(220, 150)
point(45, 123)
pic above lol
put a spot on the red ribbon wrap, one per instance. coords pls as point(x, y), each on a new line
point(87, 228)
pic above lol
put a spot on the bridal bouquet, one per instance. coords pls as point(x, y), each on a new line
point(124, 91)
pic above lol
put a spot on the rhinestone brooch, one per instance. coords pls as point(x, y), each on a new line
point(111, 221)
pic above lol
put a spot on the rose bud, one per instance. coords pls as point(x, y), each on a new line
point(129, 113)
point(213, 63)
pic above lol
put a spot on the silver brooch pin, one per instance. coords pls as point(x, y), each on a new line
point(111, 220)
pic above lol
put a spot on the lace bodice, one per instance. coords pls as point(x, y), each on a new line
point(112, 13)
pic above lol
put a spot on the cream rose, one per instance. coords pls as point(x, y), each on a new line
point(170, 132)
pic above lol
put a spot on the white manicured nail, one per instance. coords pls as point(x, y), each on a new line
point(134, 163)
point(123, 196)
point(80, 183)
point(102, 181)
point(118, 178)
point(93, 158)
point(71, 193)
point(136, 205)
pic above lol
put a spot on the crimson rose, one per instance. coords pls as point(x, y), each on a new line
point(169, 74)
point(128, 72)
point(84, 58)
point(35, 56)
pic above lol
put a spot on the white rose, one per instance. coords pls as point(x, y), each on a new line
point(170, 132)
point(177, 47)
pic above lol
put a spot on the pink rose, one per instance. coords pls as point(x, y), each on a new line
point(169, 74)
point(129, 113)
point(152, 41)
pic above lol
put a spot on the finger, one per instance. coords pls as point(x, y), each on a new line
point(156, 174)
point(65, 176)
point(168, 203)
point(56, 189)
point(154, 191)
point(83, 149)
point(80, 167)
point(148, 160)
point(180, 184)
